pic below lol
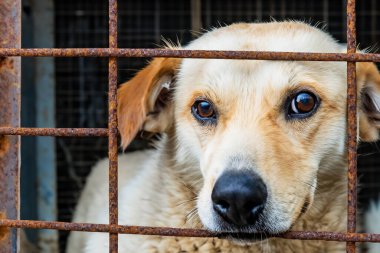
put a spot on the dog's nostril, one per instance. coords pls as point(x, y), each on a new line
point(255, 211)
point(223, 204)
point(221, 208)
point(250, 205)
point(253, 206)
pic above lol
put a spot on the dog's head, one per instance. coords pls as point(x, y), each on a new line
point(259, 132)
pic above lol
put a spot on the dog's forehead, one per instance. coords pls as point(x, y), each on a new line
point(275, 36)
point(278, 36)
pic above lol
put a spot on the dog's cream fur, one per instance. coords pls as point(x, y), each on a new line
point(302, 162)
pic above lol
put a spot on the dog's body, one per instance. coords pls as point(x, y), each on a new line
point(164, 201)
point(296, 161)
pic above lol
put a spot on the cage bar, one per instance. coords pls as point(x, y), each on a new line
point(186, 232)
point(351, 125)
point(10, 84)
point(9, 120)
point(182, 53)
point(45, 172)
point(112, 128)
point(62, 132)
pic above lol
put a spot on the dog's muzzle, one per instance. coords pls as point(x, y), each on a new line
point(239, 197)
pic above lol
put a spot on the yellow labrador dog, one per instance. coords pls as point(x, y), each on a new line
point(247, 145)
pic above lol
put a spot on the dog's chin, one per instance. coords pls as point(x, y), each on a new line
point(245, 235)
point(244, 239)
point(240, 236)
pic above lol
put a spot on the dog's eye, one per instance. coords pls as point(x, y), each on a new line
point(302, 105)
point(203, 110)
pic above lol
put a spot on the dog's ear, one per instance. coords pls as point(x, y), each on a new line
point(368, 79)
point(144, 102)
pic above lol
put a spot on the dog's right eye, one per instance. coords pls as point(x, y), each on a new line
point(204, 111)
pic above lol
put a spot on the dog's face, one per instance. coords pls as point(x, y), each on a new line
point(259, 132)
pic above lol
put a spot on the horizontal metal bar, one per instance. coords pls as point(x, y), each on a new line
point(181, 232)
point(215, 54)
point(63, 132)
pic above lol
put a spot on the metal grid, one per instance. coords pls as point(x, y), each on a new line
point(351, 57)
point(81, 90)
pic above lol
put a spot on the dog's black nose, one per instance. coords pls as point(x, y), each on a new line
point(239, 197)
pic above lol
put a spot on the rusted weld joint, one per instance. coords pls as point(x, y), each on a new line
point(4, 146)
point(3, 230)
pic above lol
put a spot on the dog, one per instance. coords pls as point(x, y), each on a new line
point(246, 146)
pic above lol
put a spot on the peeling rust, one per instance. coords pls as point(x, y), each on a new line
point(3, 230)
point(4, 145)
point(351, 125)
point(6, 64)
point(62, 132)
point(10, 37)
point(179, 53)
point(112, 128)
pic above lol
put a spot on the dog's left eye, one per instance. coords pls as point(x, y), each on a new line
point(302, 105)
point(203, 110)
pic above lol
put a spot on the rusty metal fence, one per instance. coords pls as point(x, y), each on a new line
point(10, 51)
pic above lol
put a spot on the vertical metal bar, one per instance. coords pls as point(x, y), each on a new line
point(43, 23)
point(259, 10)
point(10, 77)
point(374, 18)
point(157, 21)
point(351, 124)
point(196, 17)
point(249, 11)
point(326, 11)
point(272, 8)
point(112, 127)
point(28, 176)
point(207, 5)
point(283, 9)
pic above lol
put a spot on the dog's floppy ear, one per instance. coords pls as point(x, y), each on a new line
point(144, 101)
point(368, 79)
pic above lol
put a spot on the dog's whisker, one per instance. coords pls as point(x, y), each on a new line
point(187, 201)
point(191, 215)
